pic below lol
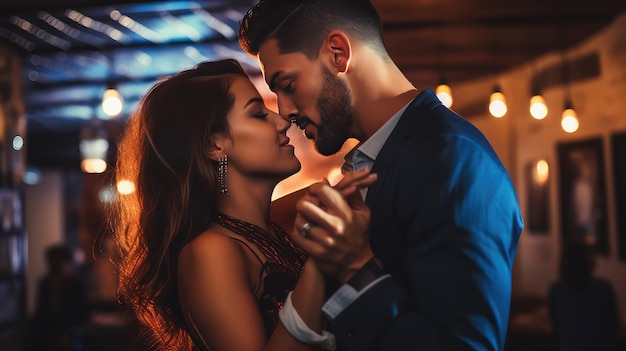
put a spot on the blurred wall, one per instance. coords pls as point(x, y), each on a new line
point(12, 160)
point(45, 225)
point(600, 101)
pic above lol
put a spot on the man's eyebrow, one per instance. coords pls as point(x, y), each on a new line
point(253, 100)
point(272, 82)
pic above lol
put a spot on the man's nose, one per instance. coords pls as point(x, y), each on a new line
point(286, 108)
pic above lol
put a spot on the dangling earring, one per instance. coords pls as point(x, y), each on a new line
point(222, 171)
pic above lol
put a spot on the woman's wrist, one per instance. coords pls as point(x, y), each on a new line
point(312, 273)
point(309, 296)
point(299, 329)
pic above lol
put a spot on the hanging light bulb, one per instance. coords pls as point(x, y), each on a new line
point(112, 102)
point(93, 148)
point(538, 107)
point(569, 120)
point(497, 103)
point(444, 93)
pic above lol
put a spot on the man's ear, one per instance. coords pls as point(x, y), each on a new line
point(338, 50)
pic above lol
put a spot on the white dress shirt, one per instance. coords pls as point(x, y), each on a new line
point(361, 156)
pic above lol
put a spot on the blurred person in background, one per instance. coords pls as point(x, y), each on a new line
point(61, 308)
point(582, 308)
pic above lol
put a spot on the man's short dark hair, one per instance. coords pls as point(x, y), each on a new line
point(302, 25)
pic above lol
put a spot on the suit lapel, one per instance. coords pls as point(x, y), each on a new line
point(407, 125)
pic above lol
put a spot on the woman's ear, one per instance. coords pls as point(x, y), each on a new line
point(337, 48)
point(215, 151)
point(214, 154)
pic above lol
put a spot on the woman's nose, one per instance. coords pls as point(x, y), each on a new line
point(282, 124)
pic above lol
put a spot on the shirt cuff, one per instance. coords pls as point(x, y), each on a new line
point(344, 296)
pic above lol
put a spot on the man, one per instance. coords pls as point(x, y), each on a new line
point(445, 221)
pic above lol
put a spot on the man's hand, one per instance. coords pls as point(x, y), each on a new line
point(337, 233)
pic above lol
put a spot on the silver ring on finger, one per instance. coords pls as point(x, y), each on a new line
point(304, 230)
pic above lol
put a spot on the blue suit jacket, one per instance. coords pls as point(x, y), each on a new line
point(445, 223)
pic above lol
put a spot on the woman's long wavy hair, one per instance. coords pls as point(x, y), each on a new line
point(164, 153)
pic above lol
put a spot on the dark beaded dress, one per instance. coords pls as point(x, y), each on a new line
point(282, 263)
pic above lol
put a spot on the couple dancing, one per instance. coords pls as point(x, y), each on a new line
point(415, 254)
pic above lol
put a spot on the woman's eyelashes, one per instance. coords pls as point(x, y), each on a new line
point(260, 114)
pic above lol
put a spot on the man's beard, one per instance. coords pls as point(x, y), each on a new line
point(334, 106)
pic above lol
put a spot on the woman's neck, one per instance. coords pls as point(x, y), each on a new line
point(249, 203)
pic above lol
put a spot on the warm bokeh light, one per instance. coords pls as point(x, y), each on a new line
point(444, 93)
point(569, 121)
point(538, 107)
point(315, 167)
point(93, 165)
point(112, 103)
point(334, 175)
point(542, 171)
point(125, 187)
point(497, 104)
point(93, 154)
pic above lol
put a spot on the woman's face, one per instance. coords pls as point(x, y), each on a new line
point(258, 144)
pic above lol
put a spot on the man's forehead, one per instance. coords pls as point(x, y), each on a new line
point(269, 55)
point(273, 64)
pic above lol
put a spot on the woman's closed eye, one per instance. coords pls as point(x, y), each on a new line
point(261, 115)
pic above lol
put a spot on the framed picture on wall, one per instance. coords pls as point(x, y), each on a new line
point(582, 193)
point(618, 149)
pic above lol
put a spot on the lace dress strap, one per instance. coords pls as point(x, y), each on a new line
point(282, 264)
point(264, 263)
point(279, 250)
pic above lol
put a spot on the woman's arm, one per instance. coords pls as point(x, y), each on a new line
point(307, 298)
point(216, 295)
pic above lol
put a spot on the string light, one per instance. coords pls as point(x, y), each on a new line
point(112, 102)
point(569, 119)
point(538, 107)
point(93, 147)
point(497, 103)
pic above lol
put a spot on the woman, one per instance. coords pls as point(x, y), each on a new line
point(201, 263)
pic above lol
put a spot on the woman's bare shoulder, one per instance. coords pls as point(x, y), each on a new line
point(210, 248)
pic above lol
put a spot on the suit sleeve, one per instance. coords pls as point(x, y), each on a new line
point(458, 224)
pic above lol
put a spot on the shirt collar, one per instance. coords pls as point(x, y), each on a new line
point(372, 146)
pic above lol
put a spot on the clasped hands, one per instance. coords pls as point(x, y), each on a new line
point(332, 225)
